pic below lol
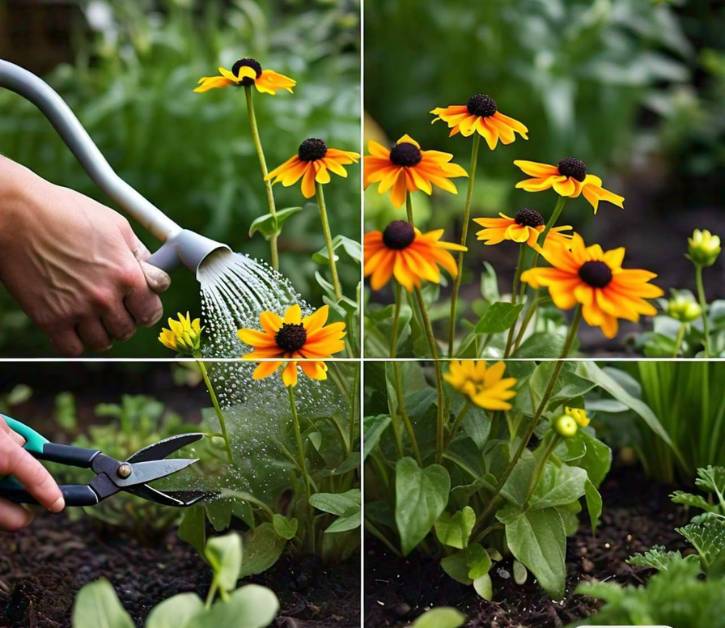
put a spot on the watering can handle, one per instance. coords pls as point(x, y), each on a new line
point(37, 91)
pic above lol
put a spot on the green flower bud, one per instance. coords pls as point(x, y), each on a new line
point(703, 247)
point(566, 426)
point(683, 309)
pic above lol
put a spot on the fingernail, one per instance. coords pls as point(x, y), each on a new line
point(58, 505)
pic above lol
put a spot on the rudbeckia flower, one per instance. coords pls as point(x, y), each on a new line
point(406, 168)
point(484, 385)
point(247, 72)
point(595, 279)
point(184, 335)
point(407, 254)
point(568, 178)
point(313, 162)
point(291, 339)
point(526, 226)
point(480, 115)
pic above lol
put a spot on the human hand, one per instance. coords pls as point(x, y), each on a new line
point(16, 461)
point(74, 266)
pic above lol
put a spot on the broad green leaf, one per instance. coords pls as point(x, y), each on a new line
point(337, 503)
point(262, 547)
point(351, 247)
point(537, 539)
point(224, 554)
point(442, 617)
point(219, 513)
point(269, 225)
point(516, 487)
point(520, 572)
point(467, 565)
point(477, 424)
point(345, 524)
point(175, 612)
point(455, 530)
point(594, 503)
point(421, 496)
point(192, 528)
point(597, 459)
point(97, 605)
point(541, 345)
point(484, 587)
point(250, 606)
point(286, 527)
point(558, 486)
point(373, 429)
point(498, 317)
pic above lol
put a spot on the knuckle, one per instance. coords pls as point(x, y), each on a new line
point(127, 276)
point(102, 298)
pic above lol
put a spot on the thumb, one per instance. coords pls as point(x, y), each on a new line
point(156, 279)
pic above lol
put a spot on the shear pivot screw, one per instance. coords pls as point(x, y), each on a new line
point(124, 470)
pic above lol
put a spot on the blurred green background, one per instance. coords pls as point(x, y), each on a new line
point(128, 68)
point(634, 88)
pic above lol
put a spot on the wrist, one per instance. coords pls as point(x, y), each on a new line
point(16, 183)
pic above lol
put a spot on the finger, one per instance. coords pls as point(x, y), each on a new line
point(34, 477)
point(93, 334)
point(67, 342)
point(143, 304)
point(118, 323)
point(13, 516)
point(5, 428)
point(158, 280)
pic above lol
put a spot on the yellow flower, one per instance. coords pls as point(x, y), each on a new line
point(579, 415)
point(314, 161)
point(480, 115)
point(526, 227)
point(406, 168)
point(184, 335)
point(568, 178)
point(484, 385)
point(247, 72)
point(296, 340)
point(703, 247)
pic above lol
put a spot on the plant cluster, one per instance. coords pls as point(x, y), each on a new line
point(686, 590)
point(249, 606)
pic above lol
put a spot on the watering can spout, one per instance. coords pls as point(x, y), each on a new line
point(181, 246)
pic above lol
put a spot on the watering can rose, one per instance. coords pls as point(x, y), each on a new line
point(294, 341)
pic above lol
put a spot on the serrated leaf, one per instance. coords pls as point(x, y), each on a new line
point(694, 501)
point(656, 557)
point(707, 536)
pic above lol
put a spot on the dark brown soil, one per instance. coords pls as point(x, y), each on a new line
point(637, 515)
point(43, 567)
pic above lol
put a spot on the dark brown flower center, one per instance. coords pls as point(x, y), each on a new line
point(405, 154)
point(291, 336)
point(312, 149)
point(529, 218)
point(481, 105)
point(574, 168)
point(596, 274)
point(249, 63)
point(398, 235)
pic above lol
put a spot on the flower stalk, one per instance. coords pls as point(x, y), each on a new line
point(703, 307)
point(217, 407)
point(328, 240)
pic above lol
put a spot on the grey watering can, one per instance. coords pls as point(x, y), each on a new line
point(180, 246)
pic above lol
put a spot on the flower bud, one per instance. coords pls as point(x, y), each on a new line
point(579, 415)
point(703, 247)
point(566, 426)
point(683, 309)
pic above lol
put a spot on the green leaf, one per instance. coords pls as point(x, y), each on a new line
point(498, 317)
point(421, 496)
point(192, 528)
point(337, 503)
point(477, 425)
point(269, 225)
point(558, 486)
point(543, 344)
point(656, 557)
point(250, 606)
point(97, 605)
point(351, 247)
point(694, 501)
point(537, 539)
point(284, 526)
point(224, 554)
point(597, 459)
point(594, 503)
point(455, 530)
point(175, 612)
point(373, 429)
point(712, 480)
point(262, 548)
point(706, 534)
point(345, 524)
point(442, 617)
point(484, 587)
point(468, 564)
point(520, 573)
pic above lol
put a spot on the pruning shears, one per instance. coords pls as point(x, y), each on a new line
point(132, 475)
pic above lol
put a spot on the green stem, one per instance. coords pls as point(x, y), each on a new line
point(678, 339)
point(427, 326)
point(464, 237)
point(703, 307)
point(514, 295)
point(328, 240)
point(540, 464)
point(558, 208)
point(530, 310)
point(537, 414)
point(298, 440)
point(409, 208)
point(217, 407)
point(457, 420)
point(396, 317)
point(402, 412)
point(263, 168)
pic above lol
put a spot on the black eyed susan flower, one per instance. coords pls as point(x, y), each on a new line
point(484, 385)
point(406, 168)
point(403, 252)
point(594, 278)
point(293, 338)
point(246, 72)
point(183, 335)
point(526, 227)
point(568, 178)
point(481, 115)
point(313, 162)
